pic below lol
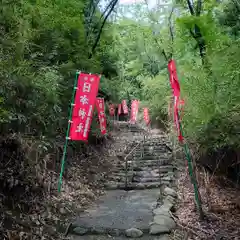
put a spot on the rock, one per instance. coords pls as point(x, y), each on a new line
point(162, 224)
point(167, 178)
point(80, 231)
point(63, 210)
point(169, 191)
point(133, 233)
point(114, 232)
point(170, 199)
point(163, 237)
point(140, 186)
point(163, 210)
point(169, 202)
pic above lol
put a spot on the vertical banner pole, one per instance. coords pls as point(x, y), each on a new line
point(192, 175)
point(67, 132)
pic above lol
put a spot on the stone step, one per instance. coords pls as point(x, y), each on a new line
point(133, 186)
point(150, 148)
point(143, 179)
point(148, 154)
point(152, 163)
point(147, 162)
point(163, 168)
point(154, 173)
point(147, 158)
point(146, 173)
point(152, 179)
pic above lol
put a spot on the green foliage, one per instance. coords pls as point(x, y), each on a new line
point(43, 43)
point(211, 90)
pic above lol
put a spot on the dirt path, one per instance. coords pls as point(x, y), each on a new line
point(120, 210)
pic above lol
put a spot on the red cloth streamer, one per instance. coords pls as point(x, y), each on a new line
point(87, 89)
point(174, 78)
point(134, 111)
point(124, 106)
point(176, 93)
point(119, 108)
point(146, 115)
point(111, 109)
point(101, 115)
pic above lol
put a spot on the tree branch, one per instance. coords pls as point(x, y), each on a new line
point(191, 8)
point(199, 7)
point(101, 29)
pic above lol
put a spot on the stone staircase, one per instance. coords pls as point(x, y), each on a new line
point(146, 164)
point(142, 173)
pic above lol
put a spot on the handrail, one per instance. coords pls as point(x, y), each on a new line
point(132, 151)
point(126, 163)
point(146, 134)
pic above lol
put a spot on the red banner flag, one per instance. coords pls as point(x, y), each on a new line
point(101, 115)
point(124, 106)
point(146, 115)
point(119, 109)
point(87, 89)
point(176, 93)
point(134, 111)
point(174, 78)
point(111, 109)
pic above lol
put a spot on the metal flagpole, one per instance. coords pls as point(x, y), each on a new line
point(67, 132)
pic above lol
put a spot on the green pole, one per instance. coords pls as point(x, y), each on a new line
point(191, 173)
point(67, 133)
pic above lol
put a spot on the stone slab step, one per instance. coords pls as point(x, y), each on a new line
point(108, 236)
point(162, 169)
point(142, 163)
point(148, 173)
point(145, 178)
point(138, 165)
point(136, 186)
point(150, 158)
point(139, 179)
point(152, 179)
point(153, 149)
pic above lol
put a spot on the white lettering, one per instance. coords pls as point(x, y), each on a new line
point(84, 99)
point(90, 111)
point(79, 128)
point(87, 121)
point(86, 87)
point(81, 113)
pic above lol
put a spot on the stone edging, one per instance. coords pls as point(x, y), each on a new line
point(163, 223)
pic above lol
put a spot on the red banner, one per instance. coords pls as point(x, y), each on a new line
point(87, 89)
point(176, 93)
point(146, 115)
point(174, 78)
point(111, 109)
point(134, 111)
point(101, 115)
point(124, 106)
point(119, 109)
